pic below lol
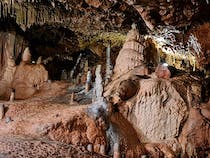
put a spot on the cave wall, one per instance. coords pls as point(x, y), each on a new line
point(11, 47)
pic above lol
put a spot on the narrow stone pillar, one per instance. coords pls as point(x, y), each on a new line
point(90, 148)
point(102, 149)
point(108, 63)
point(116, 151)
point(72, 98)
point(12, 95)
point(88, 81)
point(98, 88)
point(1, 111)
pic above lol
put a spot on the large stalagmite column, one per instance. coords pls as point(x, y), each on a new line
point(131, 55)
point(98, 88)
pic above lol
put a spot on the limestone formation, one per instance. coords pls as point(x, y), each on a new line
point(108, 64)
point(90, 148)
point(39, 60)
point(131, 55)
point(102, 149)
point(162, 71)
point(12, 96)
point(98, 87)
point(116, 151)
point(1, 111)
point(168, 110)
point(28, 78)
point(88, 81)
point(26, 57)
point(195, 134)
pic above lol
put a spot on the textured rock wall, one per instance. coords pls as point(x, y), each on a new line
point(195, 136)
point(159, 110)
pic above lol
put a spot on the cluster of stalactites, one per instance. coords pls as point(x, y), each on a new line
point(27, 15)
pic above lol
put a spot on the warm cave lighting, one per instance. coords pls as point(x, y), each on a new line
point(165, 64)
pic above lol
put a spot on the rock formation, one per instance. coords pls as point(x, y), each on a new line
point(28, 78)
point(131, 55)
point(158, 107)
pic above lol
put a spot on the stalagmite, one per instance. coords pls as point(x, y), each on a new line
point(78, 78)
point(26, 57)
point(75, 66)
point(98, 88)
point(64, 75)
point(72, 98)
point(108, 64)
point(90, 148)
point(88, 81)
point(132, 53)
point(12, 96)
point(39, 60)
point(86, 66)
point(116, 151)
point(1, 111)
point(102, 149)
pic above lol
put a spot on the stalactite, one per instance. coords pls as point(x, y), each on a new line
point(108, 63)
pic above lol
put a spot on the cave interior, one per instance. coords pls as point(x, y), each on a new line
point(105, 78)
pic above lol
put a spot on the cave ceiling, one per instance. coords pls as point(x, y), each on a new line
point(88, 19)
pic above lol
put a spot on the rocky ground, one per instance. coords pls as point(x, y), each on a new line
point(45, 125)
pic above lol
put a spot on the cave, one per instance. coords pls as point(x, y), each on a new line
point(104, 78)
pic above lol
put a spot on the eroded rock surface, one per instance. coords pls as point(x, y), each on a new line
point(195, 136)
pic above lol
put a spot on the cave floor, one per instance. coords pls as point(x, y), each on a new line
point(38, 126)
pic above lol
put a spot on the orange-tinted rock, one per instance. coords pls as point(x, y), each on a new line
point(94, 3)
